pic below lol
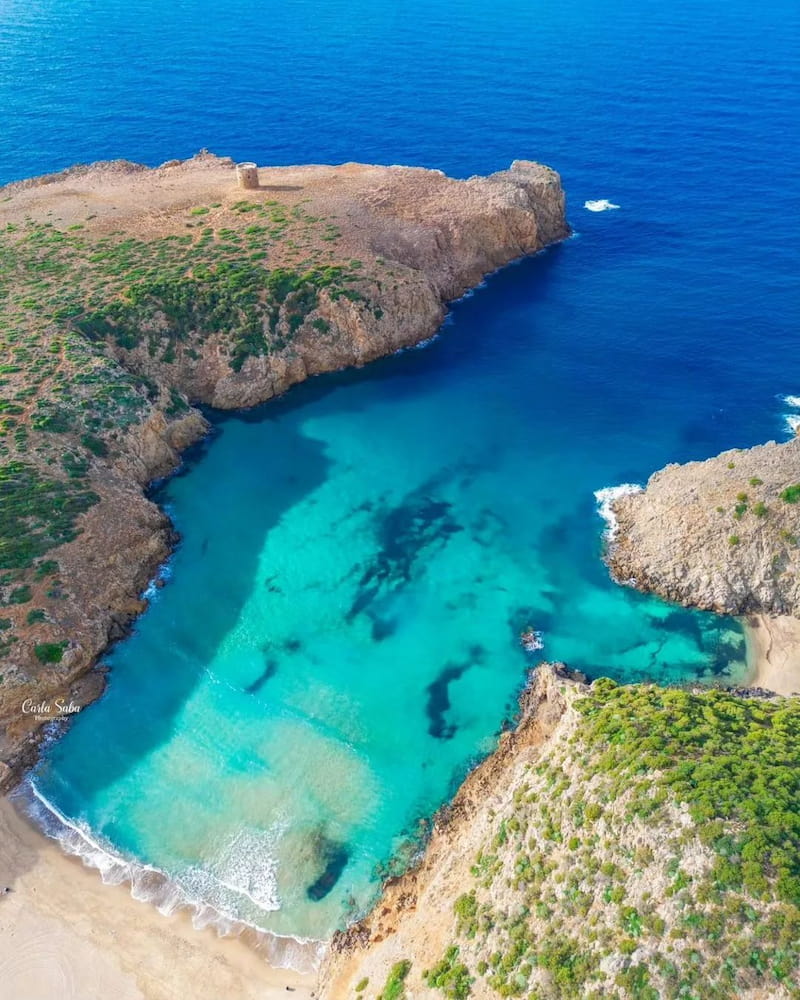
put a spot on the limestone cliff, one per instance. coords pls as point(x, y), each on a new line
point(129, 294)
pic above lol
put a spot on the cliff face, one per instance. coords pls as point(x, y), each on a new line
point(723, 535)
point(623, 842)
point(128, 294)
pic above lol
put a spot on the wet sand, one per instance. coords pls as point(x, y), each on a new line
point(773, 653)
point(66, 936)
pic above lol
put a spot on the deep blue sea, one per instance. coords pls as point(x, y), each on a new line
point(275, 728)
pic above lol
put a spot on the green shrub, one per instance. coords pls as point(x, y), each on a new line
point(20, 595)
point(95, 445)
point(36, 513)
point(394, 987)
point(731, 759)
point(50, 652)
point(49, 567)
point(791, 494)
point(450, 976)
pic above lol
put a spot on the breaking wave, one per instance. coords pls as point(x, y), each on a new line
point(153, 589)
point(792, 421)
point(599, 205)
point(605, 502)
point(190, 890)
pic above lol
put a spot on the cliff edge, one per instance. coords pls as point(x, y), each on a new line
point(723, 535)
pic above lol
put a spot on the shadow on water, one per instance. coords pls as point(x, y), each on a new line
point(217, 568)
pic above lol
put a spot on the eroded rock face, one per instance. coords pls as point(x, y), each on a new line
point(721, 535)
point(389, 246)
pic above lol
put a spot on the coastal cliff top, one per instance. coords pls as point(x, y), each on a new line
point(128, 294)
point(385, 211)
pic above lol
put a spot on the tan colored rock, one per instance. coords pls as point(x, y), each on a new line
point(717, 534)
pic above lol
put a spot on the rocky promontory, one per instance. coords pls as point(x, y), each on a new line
point(128, 294)
point(723, 535)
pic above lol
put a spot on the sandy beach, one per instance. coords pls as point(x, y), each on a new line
point(66, 936)
point(773, 652)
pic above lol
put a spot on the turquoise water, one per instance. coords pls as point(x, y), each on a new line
point(339, 636)
point(337, 640)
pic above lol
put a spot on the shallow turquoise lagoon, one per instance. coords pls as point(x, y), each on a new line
point(338, 637)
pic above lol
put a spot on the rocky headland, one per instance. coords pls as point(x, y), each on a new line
point(723, 535)
point(128, 295)
point(623, 841)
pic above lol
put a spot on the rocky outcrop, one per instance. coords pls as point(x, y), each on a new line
point(169, 287)
point(722, 535)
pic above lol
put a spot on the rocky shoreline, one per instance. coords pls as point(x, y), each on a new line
point(427, 887)
point(170, 287)
point(723, 535)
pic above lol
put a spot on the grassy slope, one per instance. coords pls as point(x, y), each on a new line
point(72, 305)
point(652, 851)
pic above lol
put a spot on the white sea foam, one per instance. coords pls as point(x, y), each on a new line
point(599, 205)
point(793, 401)
point(192, 888)
point(248, 867)
point(605, 501)
point(792, 421)
point(153, 589)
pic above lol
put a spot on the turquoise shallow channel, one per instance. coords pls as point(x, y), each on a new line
point(338, 637)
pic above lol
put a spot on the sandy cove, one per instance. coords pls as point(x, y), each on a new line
point(773, 652)
point(66, 936)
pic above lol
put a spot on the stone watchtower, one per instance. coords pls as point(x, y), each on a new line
point(247, 175)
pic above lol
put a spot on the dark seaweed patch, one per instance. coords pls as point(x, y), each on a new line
point(439, 702)
point(382, 628)
point(333, 858)
point(487, 527)
point(267, 674)
point(727, 651)
point(684, 622)
point(405, 533)
point(438, 691)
